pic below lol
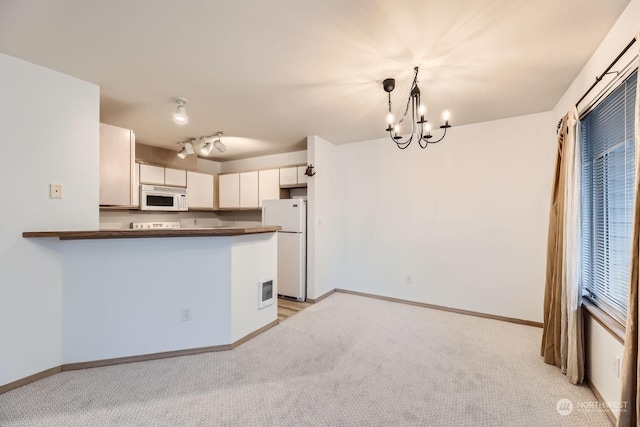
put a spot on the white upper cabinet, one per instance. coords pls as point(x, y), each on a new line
point(175, 177)
point(229, 190)
point(117, 161)
point(268, 185)
point(200, 190)
point(288, 176)
point(249, 189)
point(302, 178)
point(159, 175)
point(293, 177)
point(151, 174)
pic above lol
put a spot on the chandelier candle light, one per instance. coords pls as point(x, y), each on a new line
point(420, 127)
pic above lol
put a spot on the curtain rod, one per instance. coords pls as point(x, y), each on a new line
point(605, 72)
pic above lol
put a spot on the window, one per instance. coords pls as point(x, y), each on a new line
point(607, 198)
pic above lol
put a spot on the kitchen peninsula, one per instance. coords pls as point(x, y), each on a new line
point(141, 294)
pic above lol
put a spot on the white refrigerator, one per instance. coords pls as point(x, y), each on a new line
point(291, 215)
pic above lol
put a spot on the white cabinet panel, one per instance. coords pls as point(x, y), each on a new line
point(249, 189)
point(268, 185)
point(199, 190)
point(229, 190)
point(175, 177)
point(288, 176)
point(302, 178)
point(117, 148)
point(151, 174)
point(135, 197)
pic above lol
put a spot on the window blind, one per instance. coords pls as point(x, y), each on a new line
point(607, 197)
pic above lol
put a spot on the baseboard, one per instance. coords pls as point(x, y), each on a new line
point(442, 308)
point(321, 297)
point(254, 334)
point(144, 357)
point(133, 359)
point(28, 380)
point(598, 396)
point(167, 354)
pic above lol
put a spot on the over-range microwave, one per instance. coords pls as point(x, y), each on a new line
point(161, 198)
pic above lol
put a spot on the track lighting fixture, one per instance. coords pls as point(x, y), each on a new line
point(207, 145)
point(180, 116)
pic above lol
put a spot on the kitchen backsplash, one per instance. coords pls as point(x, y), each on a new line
point(118, 220)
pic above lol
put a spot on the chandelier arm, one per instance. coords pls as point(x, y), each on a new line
point(401, 144)
point(441, 138)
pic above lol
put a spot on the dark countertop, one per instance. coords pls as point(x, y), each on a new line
point(147, 233)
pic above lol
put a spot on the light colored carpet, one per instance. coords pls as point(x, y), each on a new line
point(346, 361)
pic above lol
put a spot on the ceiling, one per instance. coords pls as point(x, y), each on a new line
point(269, 73)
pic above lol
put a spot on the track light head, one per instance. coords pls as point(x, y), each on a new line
point(188, 146)
point(220, 146)
point(187, 149)
point(206, 147)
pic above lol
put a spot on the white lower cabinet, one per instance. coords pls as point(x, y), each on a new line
point(199, 190)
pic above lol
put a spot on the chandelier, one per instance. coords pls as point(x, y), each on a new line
point(420, 127)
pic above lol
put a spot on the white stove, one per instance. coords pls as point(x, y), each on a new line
point(154, 225)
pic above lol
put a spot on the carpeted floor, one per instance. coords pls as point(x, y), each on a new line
point(346, 361)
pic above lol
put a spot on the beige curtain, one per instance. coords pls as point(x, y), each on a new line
point(630, 393)
point(562, 336)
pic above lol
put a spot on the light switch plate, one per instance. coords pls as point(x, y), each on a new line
point(55, 191)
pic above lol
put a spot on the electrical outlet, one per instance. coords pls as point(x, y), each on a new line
point(409, 279)
point(55, 191)
point(186, 314)
point(615, 365)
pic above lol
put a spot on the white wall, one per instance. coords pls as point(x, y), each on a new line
point(625, 29)
point(265, 162)
point(49, 134)
point(599, 351)
point(466, 218)
point(601, 347)
point(326, 216)
point(208, 166)
point(124, 297)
